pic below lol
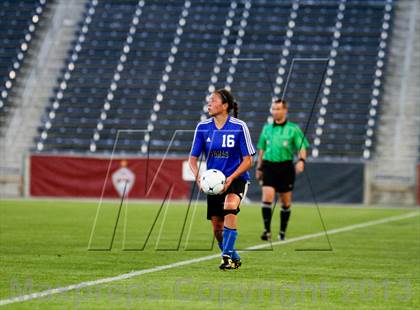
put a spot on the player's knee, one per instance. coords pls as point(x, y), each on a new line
point(286, 202)
point(286, 207)
point(230, 205)
point(231, 211)
point(268, 198)
point(267, 204)
point(268, 193)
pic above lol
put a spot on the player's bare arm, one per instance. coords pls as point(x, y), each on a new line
point(193, 163)
point(243, 167)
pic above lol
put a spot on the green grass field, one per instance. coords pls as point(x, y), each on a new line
point(44, 245)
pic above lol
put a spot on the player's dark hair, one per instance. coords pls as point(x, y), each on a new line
point(282, 101)
point(230, 100)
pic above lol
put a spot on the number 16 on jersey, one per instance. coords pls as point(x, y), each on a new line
point(228, 141)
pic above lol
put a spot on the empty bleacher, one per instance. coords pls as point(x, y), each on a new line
point(148, 65)
point(18, 23)
point(354, 73)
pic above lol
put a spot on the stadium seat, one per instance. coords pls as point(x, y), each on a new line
point(95, 103)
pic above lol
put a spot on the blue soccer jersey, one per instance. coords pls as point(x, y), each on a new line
point(224, 147)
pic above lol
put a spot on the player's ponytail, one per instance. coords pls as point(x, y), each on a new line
point(230, 100)
point(235, 109)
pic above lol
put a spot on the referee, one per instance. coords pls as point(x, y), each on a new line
point(277, 145)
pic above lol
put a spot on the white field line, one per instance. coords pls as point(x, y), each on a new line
point(137, 273)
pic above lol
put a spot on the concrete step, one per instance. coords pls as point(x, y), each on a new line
point(37, 79)
point(391, 176)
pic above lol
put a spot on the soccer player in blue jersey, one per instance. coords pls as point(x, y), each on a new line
point(227, 144)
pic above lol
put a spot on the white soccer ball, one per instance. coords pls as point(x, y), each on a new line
point(212, 182)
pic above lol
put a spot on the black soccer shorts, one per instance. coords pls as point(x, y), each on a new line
point(215, 203)
point(280, 175)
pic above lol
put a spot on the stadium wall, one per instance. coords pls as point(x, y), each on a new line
point(78, 176)
point(326, 182)
point(86, 176)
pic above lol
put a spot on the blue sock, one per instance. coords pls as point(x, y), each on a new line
point(229, 238)
point(220, 244)
point(235, 255)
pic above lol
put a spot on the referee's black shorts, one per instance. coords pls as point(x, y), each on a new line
point(216, 203)
point(280, 175)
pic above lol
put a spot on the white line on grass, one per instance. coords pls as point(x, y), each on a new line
point(133, 274)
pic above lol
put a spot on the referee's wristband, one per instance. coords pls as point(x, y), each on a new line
point(303, 160)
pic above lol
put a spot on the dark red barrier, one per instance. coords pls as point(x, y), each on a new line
point(72, 176)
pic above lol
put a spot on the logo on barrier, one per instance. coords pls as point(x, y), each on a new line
point(123, 179)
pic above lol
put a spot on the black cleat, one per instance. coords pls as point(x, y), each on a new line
point(282, 236)
point(227, 263)
point(266, 235)
point(236, 263)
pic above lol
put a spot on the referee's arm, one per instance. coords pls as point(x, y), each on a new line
point(300, 165)
point(302, 154)
point(301, 143)
point(262, 143)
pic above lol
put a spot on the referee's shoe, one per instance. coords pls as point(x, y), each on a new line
point(266, 235)
point(282, 235)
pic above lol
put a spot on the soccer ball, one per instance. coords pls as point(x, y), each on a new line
point(212, 182)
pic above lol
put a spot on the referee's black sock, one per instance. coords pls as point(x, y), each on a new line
point(266, 214)
point(284, 218)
